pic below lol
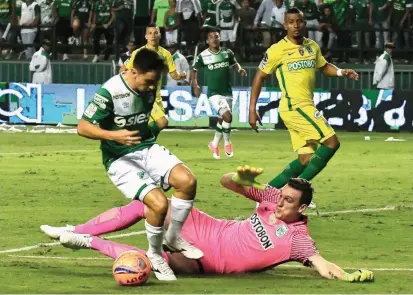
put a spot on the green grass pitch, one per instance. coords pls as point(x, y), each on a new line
point(58, 179)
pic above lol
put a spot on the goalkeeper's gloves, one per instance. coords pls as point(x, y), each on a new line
point(246, 176)
point(362, 275)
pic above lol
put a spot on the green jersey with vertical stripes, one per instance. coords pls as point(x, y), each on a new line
point(217, 67)
point(210, 10)
point(102, 10)
point(340, 11)
point(116, 106)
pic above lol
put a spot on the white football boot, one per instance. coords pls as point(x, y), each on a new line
point(55, 232)
point(182, 246)
point(160, 267)
point(75, 241)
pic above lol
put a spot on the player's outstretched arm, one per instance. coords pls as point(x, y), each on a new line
point(237, 67)
point(331, 271)
point(257, 83)
point(241, 181)
point(331, 70)
point(91, 131)
point(228, 182)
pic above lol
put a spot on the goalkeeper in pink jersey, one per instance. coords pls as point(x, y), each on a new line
point(276, 232)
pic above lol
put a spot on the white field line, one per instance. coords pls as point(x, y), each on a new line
point(387, 208)
point(52, 152)
point(57, 243)
point(106, 258)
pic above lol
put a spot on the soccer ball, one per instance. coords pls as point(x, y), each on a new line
point(131, 268)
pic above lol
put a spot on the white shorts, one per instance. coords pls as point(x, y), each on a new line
point(221, 104)
point(228, 35)
point(137, 173)
point(171, 37)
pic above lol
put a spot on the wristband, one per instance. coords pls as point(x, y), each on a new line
point(339, 73)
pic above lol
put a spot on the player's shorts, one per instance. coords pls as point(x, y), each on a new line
point(204, 232)
point(158, 111)
point(305, 125)
point(137, 173)
point(221, 104)
point(228, 35)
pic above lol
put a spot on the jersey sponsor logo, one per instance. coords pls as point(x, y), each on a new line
point(301, 65)
point(219, 65)
point(122, 95)
point(264, 61)
point(100, 101)
point(260, 232)
point(281, 230)
point(90, 110)
point(133, 120)
point(301, 51)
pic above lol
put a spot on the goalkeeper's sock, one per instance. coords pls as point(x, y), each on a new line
point(292, 170)
point(226, 131)
point(113, 249)
point(155, 238)
point(154, 128)
point(317, 162)
point(218, 135)
point(113, 220)
point(180, 211)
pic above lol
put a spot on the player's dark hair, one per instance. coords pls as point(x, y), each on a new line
point(305, 187)
point(293, 10)
point(212, 30)
point(152, 26)
point(148, 60)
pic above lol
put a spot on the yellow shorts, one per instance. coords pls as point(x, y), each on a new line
point(307, 127)
point(158, 111)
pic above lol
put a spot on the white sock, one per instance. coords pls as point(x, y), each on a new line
point(180, 211)
point(155, 238)
point(226, 131)
point(218, 135)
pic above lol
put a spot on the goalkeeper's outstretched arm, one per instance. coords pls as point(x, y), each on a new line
point(332, 271)
point(228, 182)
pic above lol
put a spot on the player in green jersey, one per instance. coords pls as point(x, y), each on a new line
point(217, 61)
point(135, 163)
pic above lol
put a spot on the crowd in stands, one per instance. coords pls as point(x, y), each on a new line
point(83, 28)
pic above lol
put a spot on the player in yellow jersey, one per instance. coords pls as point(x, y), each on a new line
point(157, 121)
point(295, 60)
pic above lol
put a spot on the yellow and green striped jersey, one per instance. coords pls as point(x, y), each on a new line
point(295, 67)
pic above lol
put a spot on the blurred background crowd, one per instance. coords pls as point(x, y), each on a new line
point(98, 30)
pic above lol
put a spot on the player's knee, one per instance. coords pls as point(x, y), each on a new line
point(189, 183)
point(227, 117)
point(304, 158)
point(333, 143)
point(159, 206)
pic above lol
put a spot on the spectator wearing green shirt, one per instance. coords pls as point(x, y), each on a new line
point(327, 27)
point(360, 10)
point(398, 18)
point(142, 19)
point(171, 24)
point(341, 12)
point(81, 18)
point(378, 17)
point(160, 7)
point(102, 20)
point(123, 10)
point(62, 10)
point(7, 18)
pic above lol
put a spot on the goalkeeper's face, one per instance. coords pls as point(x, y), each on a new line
point(289, 207)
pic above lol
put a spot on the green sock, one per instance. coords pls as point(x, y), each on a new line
point(317, 162)
point(154, 128)
point(292, 170)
